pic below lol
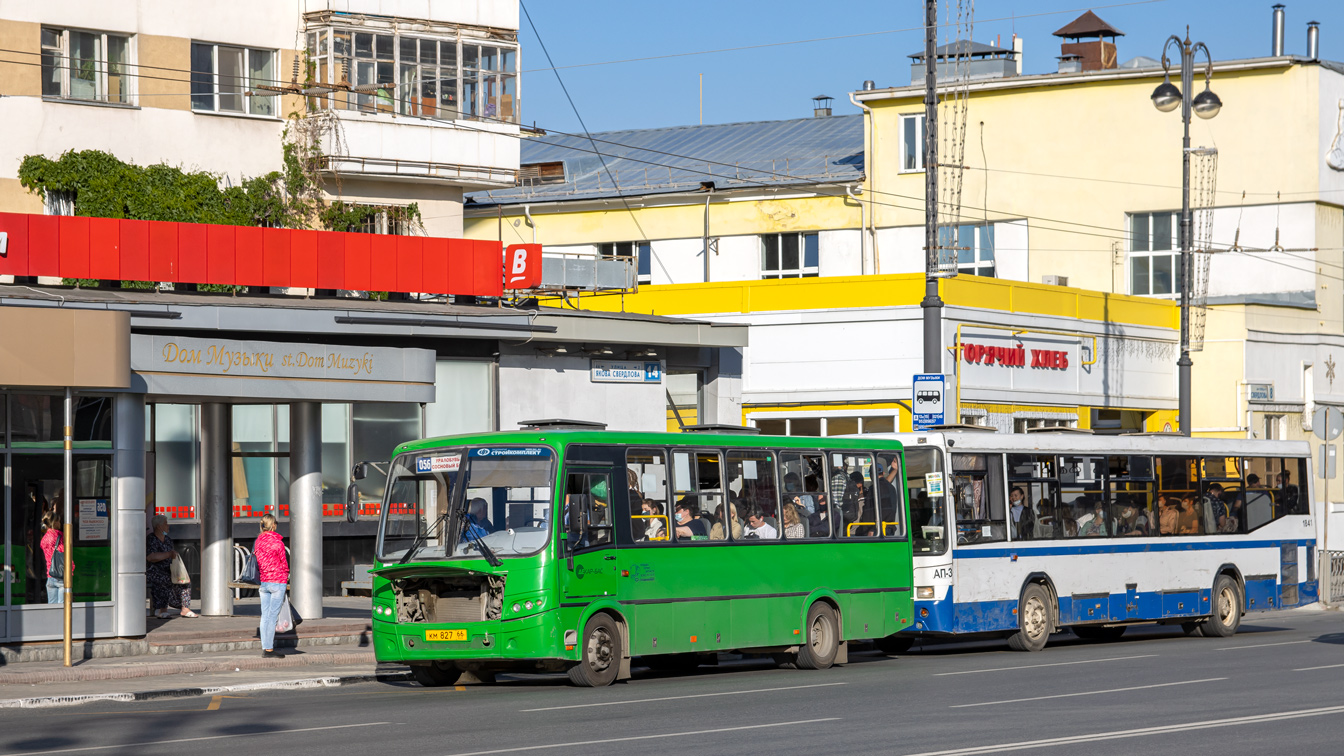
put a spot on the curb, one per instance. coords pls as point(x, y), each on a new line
point(40, 702)
point(124, 648)
point(155, 669)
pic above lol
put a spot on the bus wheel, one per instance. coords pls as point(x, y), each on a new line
point(823, 638)
point(1033, 617)
point(434, 676)
point(601, 654)
point(894, 644)
point(1226, 617)
point(1192, 629)
point(1098, 632)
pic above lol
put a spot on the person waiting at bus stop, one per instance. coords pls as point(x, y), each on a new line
point(689, 527)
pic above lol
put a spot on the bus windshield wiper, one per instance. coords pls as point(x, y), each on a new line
point(471, 532)
point(419, 539)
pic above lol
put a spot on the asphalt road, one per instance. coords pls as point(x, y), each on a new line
point(1275, 688)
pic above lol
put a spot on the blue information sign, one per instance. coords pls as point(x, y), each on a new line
point(927, 400)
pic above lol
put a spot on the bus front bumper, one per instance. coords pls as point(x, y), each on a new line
point(525, 640)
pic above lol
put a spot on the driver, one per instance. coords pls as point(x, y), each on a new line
point(478, 520)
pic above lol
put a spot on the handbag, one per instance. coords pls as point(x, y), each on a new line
point(57, 569)
point(179, 570)
point(250, 575)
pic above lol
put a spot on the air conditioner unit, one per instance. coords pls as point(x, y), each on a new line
point(1055, 280)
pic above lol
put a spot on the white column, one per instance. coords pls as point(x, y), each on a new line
point(305, 508)
point(128, 512)
point(216, 509)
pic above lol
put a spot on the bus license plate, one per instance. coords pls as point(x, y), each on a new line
point(445, 635)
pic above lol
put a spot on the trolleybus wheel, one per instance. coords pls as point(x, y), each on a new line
point(601, 653)
point(894, 644)
point(1226, 616)
point(1033, 617)
point(823, 638)
point(1192, 629)
point(1098, 632)
point(434, 676)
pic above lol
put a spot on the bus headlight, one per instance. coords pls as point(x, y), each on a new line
point(528, 604)
point(517, 608)
point(924, 592)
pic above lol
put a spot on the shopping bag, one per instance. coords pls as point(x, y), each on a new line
point(250, 574)
point(179, 571)
point(284, 622)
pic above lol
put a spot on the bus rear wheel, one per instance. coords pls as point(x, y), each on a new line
point(823, 638)
point(1033, 618)
point(601, 657)
point(1226, 616)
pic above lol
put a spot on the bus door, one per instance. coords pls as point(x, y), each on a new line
point(590, 551)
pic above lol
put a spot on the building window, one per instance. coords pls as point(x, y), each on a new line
point(1023, 424)
point(789, 256)
point(382, 221)
point(58, 203)
point(912, 137)
point(642, 252)
point(226, 79)
point(537, 174)
point(433, 77)
point(973, 246)
point(1154, 263)
point(85, 65)
point(1274, 428)
point(979, 419)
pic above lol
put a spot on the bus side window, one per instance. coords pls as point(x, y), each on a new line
point(646, 476)
point(852, 488)
point(890, 503)
point(588, 508)
point(978, 498)
point(753, 496)
point(804, 490)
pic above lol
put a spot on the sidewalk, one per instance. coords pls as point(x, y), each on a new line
point(192, 657)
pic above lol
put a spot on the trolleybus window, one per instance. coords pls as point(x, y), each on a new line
point(804, 490)
point(1083, 511)
point(1032, 496)
point(928, 518)
point(1130, 496)
point(1179, 511)
point(977, 496)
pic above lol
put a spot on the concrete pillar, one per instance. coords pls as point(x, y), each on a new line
point(723, 387)
point(305, 508)
point(128, 514)
point(216, 509)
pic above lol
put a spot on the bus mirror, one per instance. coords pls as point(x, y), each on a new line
point(360, 471)
point(352, 501)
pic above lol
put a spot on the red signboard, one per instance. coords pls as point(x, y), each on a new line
point(136, 250)
point(1015, 356)
point(522, 266)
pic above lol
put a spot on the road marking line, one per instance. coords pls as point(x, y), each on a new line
point(1121, 734)
point(1087, 693)
point(1261, 645)
point(1037, 666)
point(676, 698)
point(641, 737)
point(214, 703)
point(1309, 669)
point(196, 740)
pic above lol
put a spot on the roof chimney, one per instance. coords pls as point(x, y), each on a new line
point(1313, 40)
point(1276, 45)
point(1089, 34)
point(869, 85)
point(1017, 49)
point(821, 106)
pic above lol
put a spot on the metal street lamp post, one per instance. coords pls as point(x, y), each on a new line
point(1205, 105)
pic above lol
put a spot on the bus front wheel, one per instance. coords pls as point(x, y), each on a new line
point(434, 676)
point(601, 658)
point(1226, 616)
point(1033, 618)
point(823, 638)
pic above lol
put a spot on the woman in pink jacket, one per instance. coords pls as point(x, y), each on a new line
point(273, 569)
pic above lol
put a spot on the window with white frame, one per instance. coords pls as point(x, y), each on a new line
point(640, 252)
point(85, 65)
point(416, 75)
point(912, 135)
point(791, 255)
point(229, 79)
point(973, 245)
point(1154, 258)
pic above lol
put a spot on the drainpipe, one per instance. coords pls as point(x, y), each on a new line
point(853, 191)
point(527, 213)
point(869, 166)
point(709, 192)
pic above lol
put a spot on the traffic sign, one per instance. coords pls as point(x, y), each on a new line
point(928, 403)
point(1327, 423)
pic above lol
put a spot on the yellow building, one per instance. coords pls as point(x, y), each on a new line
point(1070, 178)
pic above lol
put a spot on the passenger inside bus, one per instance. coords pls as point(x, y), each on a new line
point(689, 526)
point(757, 527)
point(1019, 513)
point(1093, 521)
point(717, 531)
point(654, 529)
point(819, 523)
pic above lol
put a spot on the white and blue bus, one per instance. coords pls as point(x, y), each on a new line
point(1025, 534)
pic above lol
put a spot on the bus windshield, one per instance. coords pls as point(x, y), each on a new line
point(440, 502)
point(924, 477)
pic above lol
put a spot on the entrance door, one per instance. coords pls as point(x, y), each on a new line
point(588, 528)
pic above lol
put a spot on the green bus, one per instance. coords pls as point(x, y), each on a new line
point(567, 549)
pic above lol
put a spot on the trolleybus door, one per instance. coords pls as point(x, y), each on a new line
point(590, 547)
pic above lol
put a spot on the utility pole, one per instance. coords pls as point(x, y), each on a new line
point(702, 99)
point(932, 303)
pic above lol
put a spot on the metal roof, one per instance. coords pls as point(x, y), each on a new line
point(797, 152)
point(1088, 25)
point(964, 47)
